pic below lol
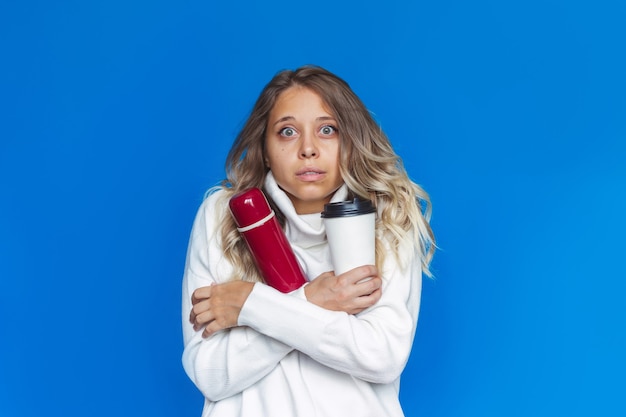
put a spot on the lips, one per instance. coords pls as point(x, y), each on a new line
point(310, 171)
point(310, 174)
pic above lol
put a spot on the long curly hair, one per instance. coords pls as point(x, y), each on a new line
point(368, 165)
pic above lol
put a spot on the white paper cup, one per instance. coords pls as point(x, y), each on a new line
point(350, 229)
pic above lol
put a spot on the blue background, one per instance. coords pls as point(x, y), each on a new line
point(116, 116)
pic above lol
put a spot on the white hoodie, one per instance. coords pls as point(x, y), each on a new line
point(289, 357)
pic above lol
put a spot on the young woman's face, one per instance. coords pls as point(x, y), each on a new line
point(302, 149)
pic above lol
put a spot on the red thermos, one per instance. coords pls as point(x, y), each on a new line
point(266, 240)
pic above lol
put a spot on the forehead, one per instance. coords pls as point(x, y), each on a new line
point(299, 99)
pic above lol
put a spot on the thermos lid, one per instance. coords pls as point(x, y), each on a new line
point(348, 208)
point(249, 207)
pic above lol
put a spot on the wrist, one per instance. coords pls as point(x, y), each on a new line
point(244, 290)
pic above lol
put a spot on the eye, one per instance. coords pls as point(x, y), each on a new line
point(328, 130)
point(287, 132)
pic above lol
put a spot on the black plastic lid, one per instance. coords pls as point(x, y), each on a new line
point(348, 208)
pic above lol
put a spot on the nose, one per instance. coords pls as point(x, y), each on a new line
point(308, 152)
point(308, 147)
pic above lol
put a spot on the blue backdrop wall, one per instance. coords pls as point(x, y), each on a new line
point(116, 116)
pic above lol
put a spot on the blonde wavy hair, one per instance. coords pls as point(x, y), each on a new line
point(368, 165)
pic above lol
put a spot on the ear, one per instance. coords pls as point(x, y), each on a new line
point(267, 162)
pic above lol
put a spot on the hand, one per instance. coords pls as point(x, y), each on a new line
point(350, 292)
point(217, 307)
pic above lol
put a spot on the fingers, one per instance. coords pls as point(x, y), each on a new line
point(213, 320)
point(350, 292)
point(200, 294)
point(211, 328)
point(365, 287)
point(218, 306)
point(198, 315)
point(368, 285)
point(366, 301)
point(202, 315)
point(360, 273)
point(363, 280)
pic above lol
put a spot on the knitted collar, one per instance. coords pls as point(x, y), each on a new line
point(299, 231)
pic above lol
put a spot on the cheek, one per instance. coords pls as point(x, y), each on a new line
point(276, 153)
point(276, 159)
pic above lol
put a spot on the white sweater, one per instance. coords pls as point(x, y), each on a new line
point(289, 357)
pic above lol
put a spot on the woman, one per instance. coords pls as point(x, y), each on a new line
point(336, 346)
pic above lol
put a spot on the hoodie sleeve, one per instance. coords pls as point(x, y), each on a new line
point(373, 345)
point(231, 360)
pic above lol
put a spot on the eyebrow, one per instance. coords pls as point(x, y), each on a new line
point(289, 118)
